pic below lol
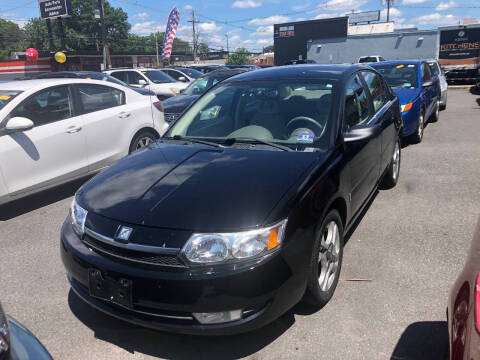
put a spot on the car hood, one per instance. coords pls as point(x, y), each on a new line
point(194, 187)
point(177, 104)
point(407, 95)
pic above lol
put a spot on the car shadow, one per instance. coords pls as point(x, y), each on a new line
point(423, 340)
point(35, 201)
point(475, 91)
point(133, 338)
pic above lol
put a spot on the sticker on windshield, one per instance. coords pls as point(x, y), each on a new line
point(5, 97)
point(399, 66)
point(305, 137)
point(410, 66)
point(407, 85)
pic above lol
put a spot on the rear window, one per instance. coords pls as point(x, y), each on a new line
point(367, 59)
point(434, 68)
point(6, 96)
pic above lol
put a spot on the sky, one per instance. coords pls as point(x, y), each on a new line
point(249, 23)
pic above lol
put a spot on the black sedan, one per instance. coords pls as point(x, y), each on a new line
point(240, 210)
point(173, 107)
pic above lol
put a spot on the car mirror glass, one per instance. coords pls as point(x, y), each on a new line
point(182, 79)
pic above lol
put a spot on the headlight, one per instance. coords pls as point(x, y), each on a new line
point(222, 247)
point(406, 107)
point(4, 335)
point(78, 215)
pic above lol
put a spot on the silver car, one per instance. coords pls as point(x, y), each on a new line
point(436, 70)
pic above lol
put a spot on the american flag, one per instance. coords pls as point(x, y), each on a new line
point(170, 33)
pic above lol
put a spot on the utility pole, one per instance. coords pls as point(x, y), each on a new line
point(388, 2)
point(194, 35)
point(50, 35)
point(228, 51)
point(62, 33)
point(107, 62)
point(156, 49)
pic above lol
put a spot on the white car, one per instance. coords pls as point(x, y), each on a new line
point(436, 69)
point(370, 59)
point(56, 130)
point(153, 79)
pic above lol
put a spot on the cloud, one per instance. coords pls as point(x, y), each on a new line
point(141, 16)
point(408, 2)
point(446, 5)
point(274, 19)
point(326, 15)
point(209, 27)
point(394, 14)
point(345, 4)
point(401, 24)
point(436, 19)
point(187, 7)
point(263, 31)
point(302, 7)
point(147, 27)
point(245, 4)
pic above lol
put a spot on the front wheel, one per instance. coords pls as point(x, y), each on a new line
point(393, 171)
point(418, 135)
point(436, 115)
point(326, 260)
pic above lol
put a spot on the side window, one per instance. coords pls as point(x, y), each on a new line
point(120, 75)
point(134, 78)
point(97, 97)
point(357, 109)
point(174, 74)
point(426, 75)
point(377, 89)
point(46, 106)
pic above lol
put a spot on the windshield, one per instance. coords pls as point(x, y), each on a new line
point(402, 76)
point(158, 77)
point(6, 96)
point(285, 112)
point(201, 85)
point(191, 72)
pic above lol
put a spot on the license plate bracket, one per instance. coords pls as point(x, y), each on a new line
point(116, 291)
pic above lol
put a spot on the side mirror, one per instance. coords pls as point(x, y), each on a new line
point(427, 83)
point(142, 82)
point(362, 133)
point(19, 124)
point(182, 79)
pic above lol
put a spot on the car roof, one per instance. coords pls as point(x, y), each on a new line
point(34, 84)
point(307, 71)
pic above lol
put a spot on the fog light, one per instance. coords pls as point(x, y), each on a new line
point(218, 317)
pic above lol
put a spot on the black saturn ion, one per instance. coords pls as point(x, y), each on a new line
point(240, 210)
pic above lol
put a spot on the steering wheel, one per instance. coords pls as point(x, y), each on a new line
point(293, 124)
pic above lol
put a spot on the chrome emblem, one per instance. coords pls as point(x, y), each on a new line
point(123, 234)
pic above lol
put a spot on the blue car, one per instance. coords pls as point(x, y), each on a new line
point(418, 90)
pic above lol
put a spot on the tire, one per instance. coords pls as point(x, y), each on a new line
point(142, 139)
point(436, 114)
point(444, 105)
point(390, 178)
point(322, 283)
point(417, 137)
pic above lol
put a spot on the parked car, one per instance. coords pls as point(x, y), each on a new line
point(241, 208)
point(17, 342)
point(207, 68)
point(90, 75)
point(151, 79)
point(248, 67)
point(55, 130)
point(418, 90)
point(437, 71)
point(182, 74)
point(463, 310)
point(370, 59)
point(174, 107)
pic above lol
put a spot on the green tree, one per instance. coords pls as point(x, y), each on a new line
point(11, 38)
point(239, 57)
point(268, 48)
point(203, 48)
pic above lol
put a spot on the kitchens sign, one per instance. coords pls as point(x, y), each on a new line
point(55, 8)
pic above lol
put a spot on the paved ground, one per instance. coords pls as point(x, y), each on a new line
point(410, 246)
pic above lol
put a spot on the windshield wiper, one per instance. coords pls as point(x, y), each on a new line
point(231, 141)
point(193, 140)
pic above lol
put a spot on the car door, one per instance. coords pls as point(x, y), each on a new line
point(384, 110)
point(52, 151)
point(363, 156)
point(105, 116)
point(429, 95)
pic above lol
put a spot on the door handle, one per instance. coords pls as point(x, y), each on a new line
point(123, 115)
point(73, 129)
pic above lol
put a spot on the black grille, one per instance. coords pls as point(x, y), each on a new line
point(169, 117)
point(132, 255)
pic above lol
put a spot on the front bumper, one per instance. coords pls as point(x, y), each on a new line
point(164, 298)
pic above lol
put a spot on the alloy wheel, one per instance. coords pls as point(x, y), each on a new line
point(143, 142)
point(396, 161)
point(420, 126)
point(328, 257)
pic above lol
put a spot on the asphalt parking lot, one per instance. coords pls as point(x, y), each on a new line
point(399, 264)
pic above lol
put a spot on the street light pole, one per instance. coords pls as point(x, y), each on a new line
point(107, 62)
